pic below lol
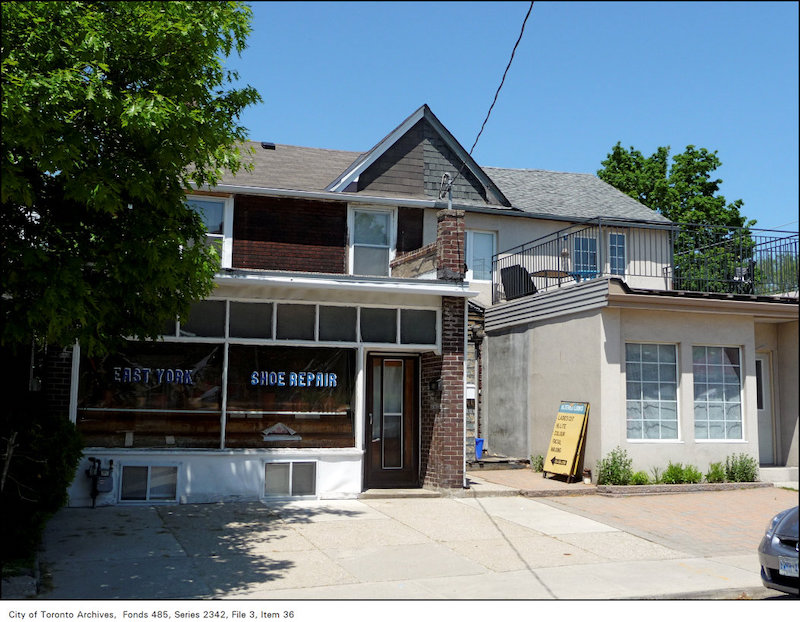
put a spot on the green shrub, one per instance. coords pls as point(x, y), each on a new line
point(657, 477)
point(716, 473)
point(615, 469)
point(676, 473)
point(46, 451)
point(537, 463)
point(673, 474)
point(741, 468)
point(640, 478)
point(691, 475)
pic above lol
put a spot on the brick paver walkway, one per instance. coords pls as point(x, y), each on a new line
point(700, 523)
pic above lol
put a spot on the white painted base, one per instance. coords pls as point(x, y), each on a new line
point(209, 476)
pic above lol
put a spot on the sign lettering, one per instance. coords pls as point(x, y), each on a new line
point(135, 375)
point(563, 454)
point(307, 379)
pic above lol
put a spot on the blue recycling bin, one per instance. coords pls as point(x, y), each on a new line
point(478, 448)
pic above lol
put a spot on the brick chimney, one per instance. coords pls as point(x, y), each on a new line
point(450, 254)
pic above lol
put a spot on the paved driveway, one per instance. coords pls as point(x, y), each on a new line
point(430, 548)
point(698, 524)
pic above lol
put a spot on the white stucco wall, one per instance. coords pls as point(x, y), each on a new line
point(581, 358)
point(566, 356)
point(685, 330)
point(787, 391)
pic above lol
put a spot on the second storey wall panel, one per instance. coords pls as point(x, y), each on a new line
point(289, 234)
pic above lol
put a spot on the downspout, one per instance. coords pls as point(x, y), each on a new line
point(464, 397)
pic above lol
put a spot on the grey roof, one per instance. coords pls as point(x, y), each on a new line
point(290, 168)
point(562, 196)
point(568, 195)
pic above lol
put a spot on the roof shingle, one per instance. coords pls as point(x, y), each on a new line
point(563, 196)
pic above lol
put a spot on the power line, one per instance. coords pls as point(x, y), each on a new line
point(494, 101)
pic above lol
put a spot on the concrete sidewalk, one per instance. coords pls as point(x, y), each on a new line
point(490, 546)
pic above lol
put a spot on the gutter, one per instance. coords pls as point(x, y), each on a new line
point(458, 289)
point(322, 195)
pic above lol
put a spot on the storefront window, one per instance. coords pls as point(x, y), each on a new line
point(152, 395)
point(337, 323)
point(280, 396)
point(296, 322)
point(251, 320)
point(417, 326)
point(379, 325)
point(206, 319)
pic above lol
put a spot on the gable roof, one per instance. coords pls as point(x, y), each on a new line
point(423, 113)
point(545, 194)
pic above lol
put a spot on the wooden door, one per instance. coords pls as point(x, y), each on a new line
point(392, 425)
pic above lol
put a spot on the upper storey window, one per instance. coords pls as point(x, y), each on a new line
point(217, 215)
point(372, 242)
point(480, 248)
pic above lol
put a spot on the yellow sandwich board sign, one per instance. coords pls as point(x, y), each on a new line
point(566, 443)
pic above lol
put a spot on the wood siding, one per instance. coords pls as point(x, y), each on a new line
point(539, 307)
point(400, 169)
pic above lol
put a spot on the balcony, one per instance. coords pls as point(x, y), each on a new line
point(692, 258)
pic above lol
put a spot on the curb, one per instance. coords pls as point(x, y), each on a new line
point(669, 489)
point(749, 593)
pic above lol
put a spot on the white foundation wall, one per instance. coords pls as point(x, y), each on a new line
point(214, 476)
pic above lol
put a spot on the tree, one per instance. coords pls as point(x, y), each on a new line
point(111, 112)
point(707, 257)
point(684, 192)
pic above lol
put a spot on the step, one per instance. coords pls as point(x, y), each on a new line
point(778, 474)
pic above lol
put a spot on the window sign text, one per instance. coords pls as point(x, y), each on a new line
point(144, 374)
point(293, 379)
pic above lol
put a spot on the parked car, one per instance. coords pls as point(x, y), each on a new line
point(778, 553)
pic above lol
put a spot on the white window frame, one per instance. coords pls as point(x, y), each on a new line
point(150, 466)
point(226, 260)
point(351, 244)
point(612, 255)
point(643, 439)
point(291, 463)
point(724, 403)
point(469, 244)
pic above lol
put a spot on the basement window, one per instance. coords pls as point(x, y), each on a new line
point(149, 483)
point(290, 479)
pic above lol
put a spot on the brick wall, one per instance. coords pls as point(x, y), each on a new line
point(443, 408)
point(450, 253)
point(289, 234)
point(442, 376)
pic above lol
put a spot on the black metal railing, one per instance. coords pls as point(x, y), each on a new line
point(699, 258)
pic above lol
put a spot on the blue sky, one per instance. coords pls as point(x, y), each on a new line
point(719, 75)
